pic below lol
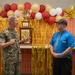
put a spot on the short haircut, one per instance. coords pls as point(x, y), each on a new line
point(62, 21)
point(11, 18)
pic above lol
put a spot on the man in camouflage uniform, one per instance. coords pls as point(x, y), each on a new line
point(9, 43)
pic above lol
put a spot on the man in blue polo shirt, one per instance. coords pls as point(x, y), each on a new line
point(61, 46)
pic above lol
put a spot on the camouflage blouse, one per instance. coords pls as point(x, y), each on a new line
point(12, 52)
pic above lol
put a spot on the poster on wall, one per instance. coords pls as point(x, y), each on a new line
point(25, 32)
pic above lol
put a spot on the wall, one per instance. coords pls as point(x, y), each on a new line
point(53, 3)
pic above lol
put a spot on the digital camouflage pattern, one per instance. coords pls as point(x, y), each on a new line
point(11, 54)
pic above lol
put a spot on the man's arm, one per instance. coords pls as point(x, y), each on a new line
point(25, 40)
point(51, 49)
point(67, 51)
point(58, 55)
point(3, 45)
point(53, 53)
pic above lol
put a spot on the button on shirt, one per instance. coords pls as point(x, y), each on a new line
point(66, 40)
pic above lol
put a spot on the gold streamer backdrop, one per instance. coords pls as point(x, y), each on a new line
point(41, 35)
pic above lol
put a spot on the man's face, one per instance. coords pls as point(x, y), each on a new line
point(14, 23)
point(61, 27)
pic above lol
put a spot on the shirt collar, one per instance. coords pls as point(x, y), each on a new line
point(62, 31)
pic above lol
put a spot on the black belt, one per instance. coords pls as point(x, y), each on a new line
point(68, 57)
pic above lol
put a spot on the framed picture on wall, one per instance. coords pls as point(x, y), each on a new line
point(25, 32)
point(25, 23)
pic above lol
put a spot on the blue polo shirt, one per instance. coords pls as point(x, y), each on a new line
point(66, 40)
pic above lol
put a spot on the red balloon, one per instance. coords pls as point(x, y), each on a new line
point(51, 20)
point(46, 20)
point(32, 15)
point(27, 6)
point(3, 14)
point(45, 15)
point(42, 8)
point(14, 6)
point(62, 14)
point(7, 7)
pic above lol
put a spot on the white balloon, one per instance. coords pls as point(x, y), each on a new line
point(30, 11)
point(58, 10)
point(17, 13)
point(38, 16)
point(52, 12)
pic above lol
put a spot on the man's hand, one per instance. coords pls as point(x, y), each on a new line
point(57, 55)
point(26, 39)
point(12, 41)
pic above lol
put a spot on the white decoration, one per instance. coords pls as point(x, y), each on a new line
point(52, 12)
point(38, 16)
point(17, 13)
point(58, 10)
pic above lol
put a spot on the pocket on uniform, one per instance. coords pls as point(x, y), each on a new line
point(64, 42)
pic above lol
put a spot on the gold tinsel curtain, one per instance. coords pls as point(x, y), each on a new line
point(41, 35)
point(41, 57)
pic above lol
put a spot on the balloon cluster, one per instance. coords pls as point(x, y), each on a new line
point(14, 9)
point(70, 12)
point(47, 13)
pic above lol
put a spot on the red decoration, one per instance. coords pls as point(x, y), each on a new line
point(27, 6)
point(45, 15)
point(46, 20)
point(62, 14)
point(42, 8)
point(14, 6)
point(7, 7)
point(3, 14)
point(51, 20)
point(32, 15)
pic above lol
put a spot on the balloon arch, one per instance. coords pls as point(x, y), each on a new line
point(47, 13)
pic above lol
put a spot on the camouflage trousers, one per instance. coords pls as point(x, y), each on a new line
point(11, 68)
